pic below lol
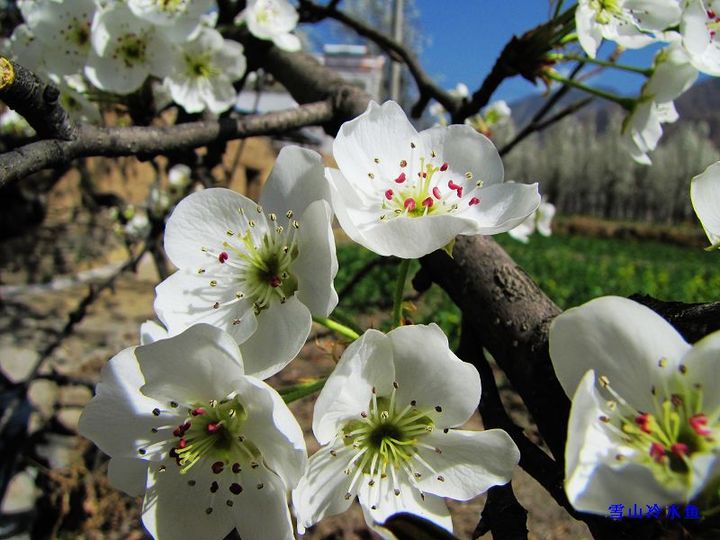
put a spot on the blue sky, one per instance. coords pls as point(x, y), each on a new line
point(465, 38)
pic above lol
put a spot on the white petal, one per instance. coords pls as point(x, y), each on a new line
point(287, 42)
point(297, 180)
point(196, 366)
point(502, 207)
point(128, 475)
point(703, 368)
point(430, 374)
point(382, 132)
point(382, 497)
point(273, 429)
point(705, 197)
point(119, 418)
point(620, 339)
point(151, 331)
point(589, 33)
point(316, 265)
point(321, 491)
point(186, 298)
point(281, 332)
point(471, 462)
point(347, 392)
point(693, 29)
point(594, 479)
point(465, 150)
point(202, 219)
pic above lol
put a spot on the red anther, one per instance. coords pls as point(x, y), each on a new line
point(179, 431)
point(444, 167)
point(403, 163)
point(436, 192)
point(657, 451)
point(275, 281)
point(214, 427)
point(218, 467)
point(452, 185)
point(183, 443)
point(409, 204)
point(679, 449)
point(223, 257)
point(424, 175)
point(400, 179)
point(711, 14)
point(474, 201)
point(197, 412)
point(459, 191)
point(643, 422)
point(389, 194)
point(699, 422)
point(427, 202)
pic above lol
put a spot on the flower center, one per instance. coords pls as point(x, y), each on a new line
point(384, 442)
point(199, 66)
point(429, 190)
point(259, 258)
point(132, 49)
point(606, 10)
point(672, 433)
point(214, 431)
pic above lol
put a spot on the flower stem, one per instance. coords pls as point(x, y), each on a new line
point(625, 103)
point(337, 327)
point(586, 59)
point(300, 390)
point(399, 289)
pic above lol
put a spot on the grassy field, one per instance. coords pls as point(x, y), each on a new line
point(571, 269)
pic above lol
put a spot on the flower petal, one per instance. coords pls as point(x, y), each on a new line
point(471, 462)
point(264, 353)
point(197, 365)
point(705, 197)
point(128, 475)
point(465, 150)
point(316, 265)
point(702, 368)
point(367, 362)
point(382, 132)
point(273, 429)
point(322, 489)
point(202, 219)
point(619, 339)
point(186, 298)
point(296, 181)
point(119, 403)
point(501, 207)
point(430, 374)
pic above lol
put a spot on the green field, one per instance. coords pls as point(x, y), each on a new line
point(570, 269)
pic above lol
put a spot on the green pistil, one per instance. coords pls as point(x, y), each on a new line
point(132, 49)
point(386, 437)
point(213, 430)
point(200, 66)
point(605, 10)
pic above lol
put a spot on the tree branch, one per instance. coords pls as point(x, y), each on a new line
point(35, 101)
point(426, 85)
point(152, 141)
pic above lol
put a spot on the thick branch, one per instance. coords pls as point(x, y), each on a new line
point(151, 141)
point(35, 101)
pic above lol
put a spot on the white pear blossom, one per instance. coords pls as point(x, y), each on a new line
point(11, 123)
point(496, 114)
point(73, 90)
point(645, 419)
point(460, 91)
point(259, 272)
point(540, 220)
point(179, 19)
point(26, 49)
point(672, 76)
point(63, 31)
point(385, 419)
point(212, 448)
point(179, 177)
point(699, 28)
point(403, 193)
point(629, 23)
point(203, 71)
point(705, 197)
point(138, 226)
point(125, 50)
point(273, 20)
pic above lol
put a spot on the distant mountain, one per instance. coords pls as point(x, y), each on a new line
point(699, 104)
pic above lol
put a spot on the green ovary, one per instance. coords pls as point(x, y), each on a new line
point(199, 66)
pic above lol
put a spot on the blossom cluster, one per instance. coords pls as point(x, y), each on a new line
point(214, 448)
point(115, 46)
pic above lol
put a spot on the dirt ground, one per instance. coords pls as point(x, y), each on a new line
point(64, 484)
